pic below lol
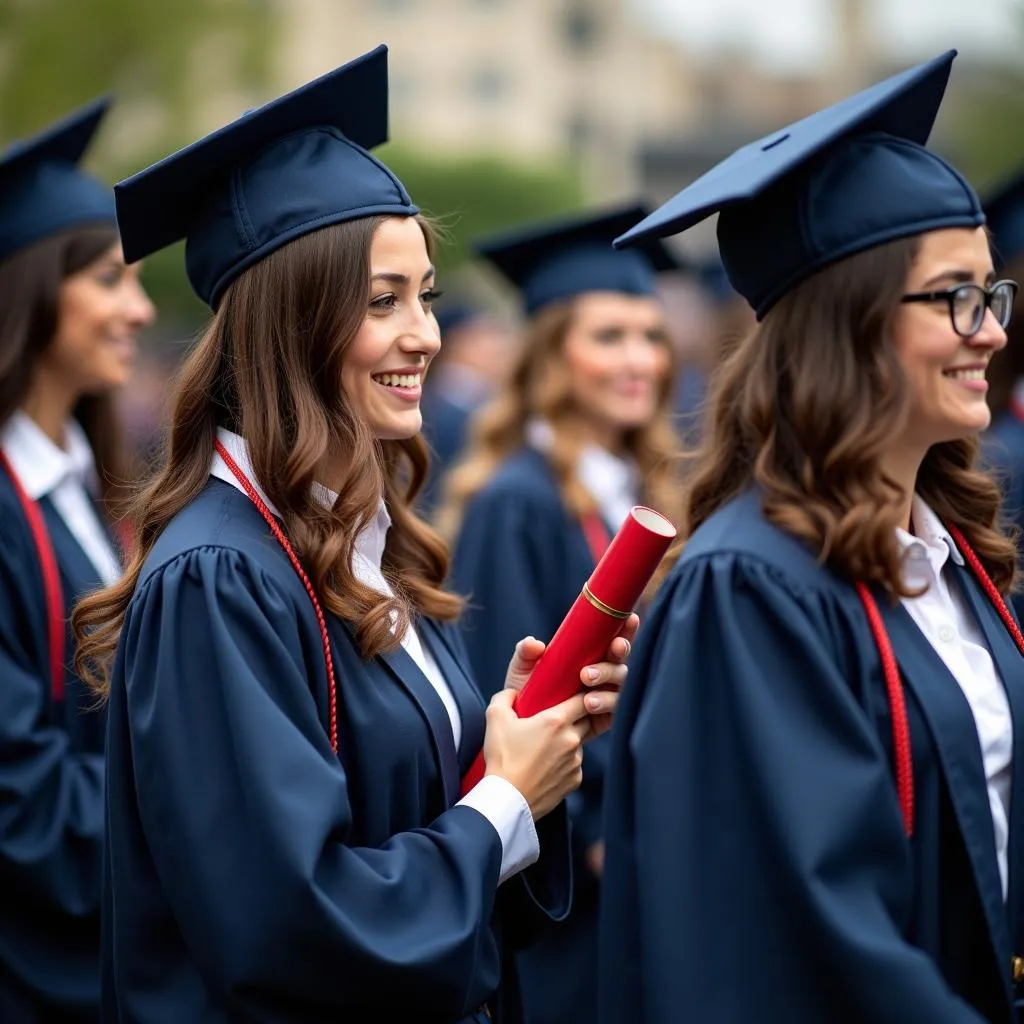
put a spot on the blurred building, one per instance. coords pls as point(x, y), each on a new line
point(544, 80)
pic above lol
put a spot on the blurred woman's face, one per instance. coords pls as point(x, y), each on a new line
point(616, 351)
point(102, 309)
point(946, 372)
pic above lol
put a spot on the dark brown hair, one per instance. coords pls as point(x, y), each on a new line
point(30, 284)
point(540, 386)
point(269, 368)
point(807, 406)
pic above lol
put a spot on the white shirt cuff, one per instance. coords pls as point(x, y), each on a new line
point(507, 810)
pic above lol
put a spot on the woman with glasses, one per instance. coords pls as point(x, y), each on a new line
point(815, 806)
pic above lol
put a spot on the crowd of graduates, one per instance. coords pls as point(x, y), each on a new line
point(238, 696)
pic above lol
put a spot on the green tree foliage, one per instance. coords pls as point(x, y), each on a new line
point(57, 54)
point(986, 133)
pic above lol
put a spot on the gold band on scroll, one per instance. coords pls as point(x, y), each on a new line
point(607, 609)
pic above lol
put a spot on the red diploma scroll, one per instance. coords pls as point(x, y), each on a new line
point(607, 598)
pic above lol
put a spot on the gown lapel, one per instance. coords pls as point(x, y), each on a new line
point(944, 707)
point(78, 574)
point(471, 705)
point(1010, 666)
point(416, 684)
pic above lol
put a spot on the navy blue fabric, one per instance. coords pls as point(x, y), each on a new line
point(51, 777)
point(845, 179)
point(294, 165)
point(757, 865)
point(42, 191)
point(252, 874)
point(1002, 447)
point(1004, 208)
point(557, 260)
point(445, 424)
point(522, 558)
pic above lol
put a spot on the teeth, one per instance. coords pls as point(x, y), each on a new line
point(399, 380)
point(966, 374)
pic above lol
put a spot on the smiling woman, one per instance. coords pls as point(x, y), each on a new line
point(70, 316)
point(820, 735)
point(290, 709)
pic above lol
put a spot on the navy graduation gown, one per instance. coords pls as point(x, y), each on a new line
point(51, 778)
point(1003, 451)
point(757, 866)
point(444, 428)
point(252, 873)
point(521, 558)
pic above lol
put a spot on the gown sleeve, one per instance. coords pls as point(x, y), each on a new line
point(756, 864)
point(247, 813)
point(51, 797)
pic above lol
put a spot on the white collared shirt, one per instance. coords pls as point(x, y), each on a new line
point(943, 616)
point(611, 480)
point(494, 797)
point(66, 477)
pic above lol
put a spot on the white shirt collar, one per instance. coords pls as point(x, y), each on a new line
point(931, 540)
point(41, 466)
point(372, 538)
point(612, 481)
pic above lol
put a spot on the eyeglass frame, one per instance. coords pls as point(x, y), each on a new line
point(948, 295)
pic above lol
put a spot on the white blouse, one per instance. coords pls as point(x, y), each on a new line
point(611, 480)
point(943, 616)
point(67, 476)
point(494, 797)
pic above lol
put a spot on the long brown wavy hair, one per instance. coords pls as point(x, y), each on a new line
point(540, 387)
point(269, 368)
point(806, 408)
point(30, 288)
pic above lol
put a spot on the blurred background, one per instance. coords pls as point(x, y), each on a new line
point(503, 110)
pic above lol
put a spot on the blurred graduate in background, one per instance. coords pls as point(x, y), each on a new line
point(1004, 441)
point(579, 434)
point(477, 348)
point(70, 316)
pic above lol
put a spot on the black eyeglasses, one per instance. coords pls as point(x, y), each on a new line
point(969, 302)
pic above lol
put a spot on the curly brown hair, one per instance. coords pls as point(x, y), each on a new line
point(807, 406)
point(539, 386)
point(269, 368)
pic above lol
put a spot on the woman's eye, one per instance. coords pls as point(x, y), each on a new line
point(384, 302)
point(430, 296)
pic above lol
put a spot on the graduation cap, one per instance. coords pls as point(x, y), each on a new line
point(42, 191)
point(562, 259)
point(843, 180)
point(294, 165)
point(715, 281)
point(1004, 210)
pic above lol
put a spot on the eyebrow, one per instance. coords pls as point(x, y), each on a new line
point(392, 278)
point(956, 277)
